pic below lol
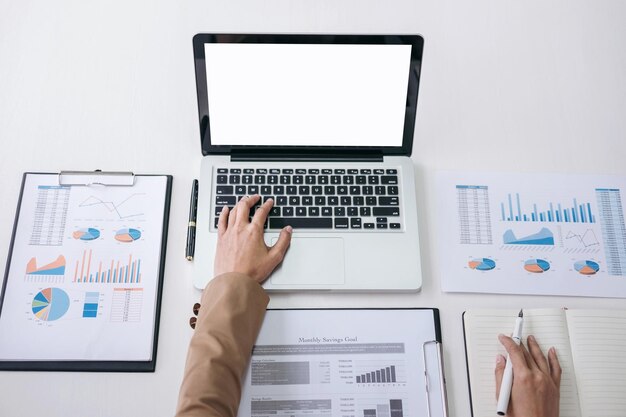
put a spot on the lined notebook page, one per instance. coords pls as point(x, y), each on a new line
point(481, 337)
point(598, 340)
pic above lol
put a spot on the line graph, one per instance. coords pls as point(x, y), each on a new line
point(119, 209)
point(587, 239)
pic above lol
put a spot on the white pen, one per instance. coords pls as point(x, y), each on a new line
point(507, 378)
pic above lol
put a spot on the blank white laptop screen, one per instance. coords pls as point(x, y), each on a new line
point(307, 95)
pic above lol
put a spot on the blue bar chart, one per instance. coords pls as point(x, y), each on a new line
point(511, 211)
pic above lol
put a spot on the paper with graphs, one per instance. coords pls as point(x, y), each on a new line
point(531, 234)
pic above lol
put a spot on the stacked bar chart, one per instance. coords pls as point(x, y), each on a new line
point(511, 211)
point(90, 308)
point(113, 272)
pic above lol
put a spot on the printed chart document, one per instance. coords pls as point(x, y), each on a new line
point(351, 363)
point(589, 346)
point(84, 276)
point(532, 234)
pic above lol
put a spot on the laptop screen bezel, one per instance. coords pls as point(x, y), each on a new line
point(417, 46)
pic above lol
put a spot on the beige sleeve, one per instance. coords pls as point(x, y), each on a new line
point(232, 311)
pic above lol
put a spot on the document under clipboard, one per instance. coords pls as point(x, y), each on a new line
point(361, 362)
point(84, 275)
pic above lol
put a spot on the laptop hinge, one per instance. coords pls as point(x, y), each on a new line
point(280, 156)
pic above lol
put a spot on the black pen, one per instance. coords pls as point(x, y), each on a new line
point(191, 226)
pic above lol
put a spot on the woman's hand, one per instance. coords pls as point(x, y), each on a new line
point(536, 380)
point(240, 244)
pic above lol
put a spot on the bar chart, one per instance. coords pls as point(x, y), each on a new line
point(511, 211)
point(87, 270)
point(378, 372)
point(382, 408)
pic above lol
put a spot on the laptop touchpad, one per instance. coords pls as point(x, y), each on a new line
point(311, 261)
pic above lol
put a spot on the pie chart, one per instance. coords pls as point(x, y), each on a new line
point(127, 235)
point(587, 267)
point(50, 304)
point(482, 264)
point(536, 266)
point(86, 234)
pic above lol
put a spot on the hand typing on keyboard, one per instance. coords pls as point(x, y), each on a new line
point(319, 199)
point(240, 244)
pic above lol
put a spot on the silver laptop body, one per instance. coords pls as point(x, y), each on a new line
point(322, 124)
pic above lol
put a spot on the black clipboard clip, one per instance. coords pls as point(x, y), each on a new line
point(442, 377)
point(97, 177)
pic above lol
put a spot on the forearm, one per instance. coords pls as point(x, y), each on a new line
point(233, 307)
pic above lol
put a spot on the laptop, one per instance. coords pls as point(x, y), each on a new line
point(323, 125)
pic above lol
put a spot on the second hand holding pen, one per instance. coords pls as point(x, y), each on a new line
point(507, 378)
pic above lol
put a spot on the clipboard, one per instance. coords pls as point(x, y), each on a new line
point(382, 361)
point(84, 274)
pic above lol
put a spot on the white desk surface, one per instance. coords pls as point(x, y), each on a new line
point(506, 86)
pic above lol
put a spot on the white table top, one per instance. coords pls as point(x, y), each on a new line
point(506, 86)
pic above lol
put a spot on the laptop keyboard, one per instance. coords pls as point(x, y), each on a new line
point(336, 199)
